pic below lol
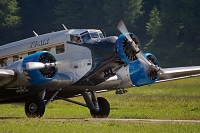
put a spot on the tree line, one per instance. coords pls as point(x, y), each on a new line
point(169, 29)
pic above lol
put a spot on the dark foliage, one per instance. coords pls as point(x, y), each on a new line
point(169, 29)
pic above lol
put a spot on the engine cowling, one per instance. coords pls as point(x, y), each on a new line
point(124, 48)
point(143, 75)
point(39, 76)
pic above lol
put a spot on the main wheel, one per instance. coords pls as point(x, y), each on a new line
point(104, 109)
point(34, 107)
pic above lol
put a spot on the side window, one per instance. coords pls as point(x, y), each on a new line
point(101, 35)
point(60, 49)
point(75, 38)
point(15, 58)
point(3, 62)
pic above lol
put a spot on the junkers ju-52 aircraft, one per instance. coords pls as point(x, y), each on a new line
point(77, 62)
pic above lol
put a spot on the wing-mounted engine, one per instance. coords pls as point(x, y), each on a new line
point(125, 49)
point(41, 74)
point(143, 68)
point(142, 74)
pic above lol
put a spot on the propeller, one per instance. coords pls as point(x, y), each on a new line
point(122, 28)
point(146, 63)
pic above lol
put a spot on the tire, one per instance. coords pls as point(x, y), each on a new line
point(34, 107)
point(104, 109)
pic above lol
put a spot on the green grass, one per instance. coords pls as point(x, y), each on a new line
point(74, 126)
point(170, 100)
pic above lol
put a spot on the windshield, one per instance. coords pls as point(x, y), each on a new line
point(86, 37)
point(96, 35)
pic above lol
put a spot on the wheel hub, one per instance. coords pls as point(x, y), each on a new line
point(32, 107)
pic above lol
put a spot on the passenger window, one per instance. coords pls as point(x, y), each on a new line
point(15, 58)
point(60, 49)
point(3, 62)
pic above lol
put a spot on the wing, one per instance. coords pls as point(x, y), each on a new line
point(129, 76)
point(7, 77)
point(179, 73)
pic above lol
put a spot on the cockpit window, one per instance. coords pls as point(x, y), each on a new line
point(94, 35)
point(86, 37)
point(101, 35)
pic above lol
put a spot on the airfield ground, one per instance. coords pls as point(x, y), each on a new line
point(165, 107)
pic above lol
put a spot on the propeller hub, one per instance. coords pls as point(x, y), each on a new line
point(128, 48)
point(153, 69)
point(47, 58)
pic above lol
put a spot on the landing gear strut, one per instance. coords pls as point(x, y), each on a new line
point(98, 106)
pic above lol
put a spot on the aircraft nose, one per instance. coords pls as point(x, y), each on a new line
point(104, 47)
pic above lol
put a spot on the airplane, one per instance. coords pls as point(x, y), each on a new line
point(78, 62)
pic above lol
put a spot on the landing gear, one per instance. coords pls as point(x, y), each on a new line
point(34, 107)
point(98, 106)
point(104, 109)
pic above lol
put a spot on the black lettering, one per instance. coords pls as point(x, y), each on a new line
point(39, 43)
point(47, 41)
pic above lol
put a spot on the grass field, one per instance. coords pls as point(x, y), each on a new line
point(171, 100)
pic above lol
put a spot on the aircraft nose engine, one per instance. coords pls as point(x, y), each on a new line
point(125, 49)
point(40, 72)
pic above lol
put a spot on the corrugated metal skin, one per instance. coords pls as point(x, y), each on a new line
point(32, 43)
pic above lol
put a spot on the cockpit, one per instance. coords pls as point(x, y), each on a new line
point(84, 36)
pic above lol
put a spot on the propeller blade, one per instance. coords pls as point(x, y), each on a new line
point(34, 65)
point(39, 65)
point(144, 64)
point(122, 28)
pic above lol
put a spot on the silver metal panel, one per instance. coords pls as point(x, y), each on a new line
point(123, 72)
point(32, 43)
point(76, 61)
